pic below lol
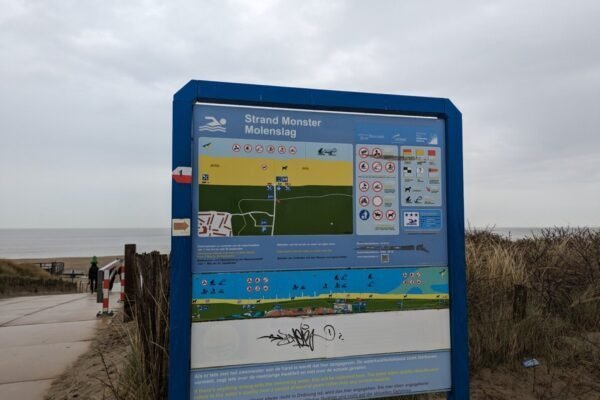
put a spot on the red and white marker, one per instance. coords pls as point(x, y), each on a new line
point(123, 283)
point(182, 175)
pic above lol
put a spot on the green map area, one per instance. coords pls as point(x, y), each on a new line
point(281, 210)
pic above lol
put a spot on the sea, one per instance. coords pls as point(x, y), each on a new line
point(52, 243)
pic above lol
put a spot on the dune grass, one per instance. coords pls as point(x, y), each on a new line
point(22, 279)
point(559, 269)
point(10, 268)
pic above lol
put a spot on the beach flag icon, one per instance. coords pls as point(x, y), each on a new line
point(182, 175)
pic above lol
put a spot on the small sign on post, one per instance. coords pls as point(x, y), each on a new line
point(181, 227)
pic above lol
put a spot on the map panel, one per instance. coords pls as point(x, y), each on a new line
point(296, 189)
point(324, 292)
point(261, 187)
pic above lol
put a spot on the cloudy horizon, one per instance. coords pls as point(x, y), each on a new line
point(85, 116)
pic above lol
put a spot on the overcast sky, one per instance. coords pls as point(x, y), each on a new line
point(86, 89)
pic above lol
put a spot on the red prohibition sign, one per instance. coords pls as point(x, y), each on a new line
point(390, 167)
point(236, 147)
point(247, 148)
point(281, 149)
point(377, 215)
point(363, 152)
point(376, 152)
point(270, 148)
point(377, 186)
point(377, 201)
point(292, 150)
point(363, 166)
point(363, 201)
point(390, 215)
point(259, 148)
point(377, 166)
point(363, 186)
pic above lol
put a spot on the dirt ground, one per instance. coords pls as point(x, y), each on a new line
point(577, 377)
point(550, 383)
point(93, 375)
point(96, 373)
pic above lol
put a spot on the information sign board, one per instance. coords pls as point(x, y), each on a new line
point(325, 253)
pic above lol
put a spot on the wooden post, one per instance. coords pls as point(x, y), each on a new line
point(520, 302)
point(130, 251)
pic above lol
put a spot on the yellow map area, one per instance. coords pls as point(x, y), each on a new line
point(236, 171)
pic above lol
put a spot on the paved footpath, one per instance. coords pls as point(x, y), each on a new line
point(40, 336)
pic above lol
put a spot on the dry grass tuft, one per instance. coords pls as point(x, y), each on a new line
point(559, 270)
point(10, 268)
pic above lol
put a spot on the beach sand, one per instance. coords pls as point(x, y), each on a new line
point(78, 264)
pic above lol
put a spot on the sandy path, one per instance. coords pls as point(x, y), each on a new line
point(41, 336)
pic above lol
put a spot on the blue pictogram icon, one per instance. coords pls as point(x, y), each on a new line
point(364, 215)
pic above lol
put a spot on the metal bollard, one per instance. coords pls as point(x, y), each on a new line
point(104, 275)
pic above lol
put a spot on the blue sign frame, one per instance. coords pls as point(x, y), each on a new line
point(311, 99)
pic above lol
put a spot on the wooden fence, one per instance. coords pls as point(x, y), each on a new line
point(147, 303)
